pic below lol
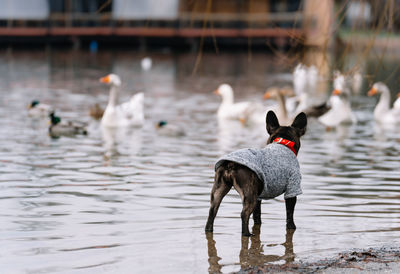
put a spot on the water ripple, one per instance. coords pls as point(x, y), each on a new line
point(116, 204)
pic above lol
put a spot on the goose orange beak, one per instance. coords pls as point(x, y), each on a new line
point(372, 91)
point(398, 95)
point(336, 92)
point(267, 95)
point(105, 79)
point(216, 92)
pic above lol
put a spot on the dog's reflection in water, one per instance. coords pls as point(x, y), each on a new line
point(213, 258)
point(253, 255)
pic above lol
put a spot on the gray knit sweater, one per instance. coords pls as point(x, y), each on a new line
point(275, 165)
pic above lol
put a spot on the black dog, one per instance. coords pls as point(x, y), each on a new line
point(245, 170)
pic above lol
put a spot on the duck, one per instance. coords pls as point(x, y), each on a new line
point(96, 111)
point(59, 128)
point(167, 129)
point(383, 114)
point(228, 109)
point(37, 109)
point(126, 114)
point(340, 111)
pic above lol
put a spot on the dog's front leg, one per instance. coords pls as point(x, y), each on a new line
point(290, 204)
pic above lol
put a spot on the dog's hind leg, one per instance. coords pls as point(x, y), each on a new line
point(246, 183)
point(257, 213)
point(220, 188)
point(249, 203)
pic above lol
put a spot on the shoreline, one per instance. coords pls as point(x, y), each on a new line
point(370, 260)
point(370, 40)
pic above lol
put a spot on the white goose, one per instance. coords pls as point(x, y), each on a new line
point(146, 63)
point(228, 109)
point(383, 114)
point(396, 104)
point(356, 82)
point(280, 94)
point(127, 114)
point(300, 79)
point(340, 111)
point(305, 80)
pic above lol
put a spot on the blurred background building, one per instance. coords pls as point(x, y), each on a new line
point(184, 20)
point(179, 22)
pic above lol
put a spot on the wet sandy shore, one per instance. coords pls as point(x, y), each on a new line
point(371, 260)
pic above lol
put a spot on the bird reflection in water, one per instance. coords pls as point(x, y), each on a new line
point(253, 255)
point(125, 139)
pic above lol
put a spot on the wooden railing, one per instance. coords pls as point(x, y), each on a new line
point(185, 25)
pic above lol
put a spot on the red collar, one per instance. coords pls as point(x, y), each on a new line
point(285, 142)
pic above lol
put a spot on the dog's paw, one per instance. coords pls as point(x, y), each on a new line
point(290, 225)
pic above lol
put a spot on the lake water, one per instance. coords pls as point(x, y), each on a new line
point(135, 201)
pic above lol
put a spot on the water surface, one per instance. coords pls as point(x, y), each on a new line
point(134, 201)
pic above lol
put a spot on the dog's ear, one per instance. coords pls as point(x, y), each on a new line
point(272, 122)
point(300, 123)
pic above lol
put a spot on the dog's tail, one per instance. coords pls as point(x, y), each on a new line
point(226, 172)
